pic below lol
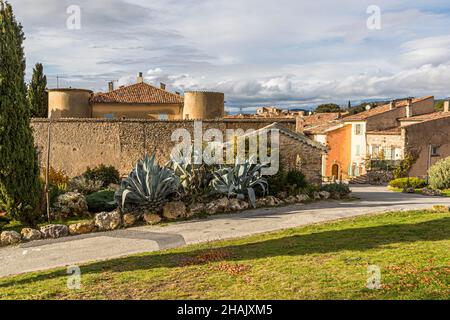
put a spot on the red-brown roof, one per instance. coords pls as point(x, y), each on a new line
point(139, 93)
point(382, 109)
point(427, 117)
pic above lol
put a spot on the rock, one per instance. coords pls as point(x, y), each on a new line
point(282, 195)
point(217, 206)
point(114, 186)
point(129, 220)
point(197, 208)
point(431, 192)
point(325, 195)
point(82, 227)
point(108, 220)
point(10, 237)
point(291, 200)
point(261, 202)
point(55, 231)
point(237, 205)
point(316, 196)
point(174, 210)
point(70, 204)
point(303, 197)
point(335, 195)
point(29, 234)
point(152, 218)
point(441, 208)
point(409, 190)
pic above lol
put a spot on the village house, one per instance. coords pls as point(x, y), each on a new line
point(357, 142)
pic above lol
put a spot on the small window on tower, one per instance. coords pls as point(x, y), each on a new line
point(435, 151)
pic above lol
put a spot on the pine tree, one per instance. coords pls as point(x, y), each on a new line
point(20, 187)
point(37, 94)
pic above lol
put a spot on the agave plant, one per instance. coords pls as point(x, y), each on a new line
point(240, 180)
point(194, 178)
point(148, 187)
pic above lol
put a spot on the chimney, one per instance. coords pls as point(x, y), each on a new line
point(409, 111)
point(140, 78)
point(392, 105)
point(447, 106)
point(162, 86)
point(110, 86)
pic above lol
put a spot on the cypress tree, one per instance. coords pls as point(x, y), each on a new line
point(20, 187)
point(37, 96)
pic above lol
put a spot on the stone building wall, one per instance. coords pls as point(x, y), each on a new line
point(418, 139)
point(79, 143)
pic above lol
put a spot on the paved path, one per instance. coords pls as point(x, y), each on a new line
point(47, 254)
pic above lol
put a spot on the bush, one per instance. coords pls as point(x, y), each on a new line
point(84, 185)
point(439, 174)
point(101, 201)
point(337, 190)
point(277, 182)
point(296, 178)
point(402, 183)
point(105, 174)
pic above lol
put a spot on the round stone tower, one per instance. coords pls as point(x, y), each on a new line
point(203, 105)
point(69, 103)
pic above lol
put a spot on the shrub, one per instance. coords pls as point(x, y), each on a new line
point(105, 174)
point(340, 189)
point(403, 168)
point(101, 201)
point(402, 183)
point(84, 185)
point(439, 174)
point(277, 183)
point(296, 178)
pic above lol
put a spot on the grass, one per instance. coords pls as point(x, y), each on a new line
point(323, 261)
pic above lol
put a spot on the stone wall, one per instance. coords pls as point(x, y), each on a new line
point(79, 143)
point(419, 137)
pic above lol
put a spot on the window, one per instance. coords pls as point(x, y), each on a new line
point(358, 129)
point(163, 116)
point(108, 116)
point(434, 151)
point(375, 151)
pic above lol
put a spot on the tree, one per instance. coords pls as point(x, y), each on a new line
point(328, 108)
point(37, 94)
point(20, 187)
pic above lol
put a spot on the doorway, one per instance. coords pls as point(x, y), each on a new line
point(335, 171)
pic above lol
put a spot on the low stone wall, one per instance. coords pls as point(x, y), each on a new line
point(76, 144)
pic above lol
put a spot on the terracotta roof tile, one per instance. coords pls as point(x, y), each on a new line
point(381, 109)
point(139, 93)
point(427, 117)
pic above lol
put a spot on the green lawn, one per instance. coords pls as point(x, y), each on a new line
point(324, 261)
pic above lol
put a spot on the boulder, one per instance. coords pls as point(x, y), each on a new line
point(217, 206)
point(55, 231)
point(10, 237)
point(152, 218)
point(291, 200)
point(282, 195)
point(271, 201)
point(108, 220)
point(82, 228)
point(129, 220)
point(197, 208)
point(29, 234)
point(316, 196)
point(303, 197)
point(174, 210)
point(70, 204)
point(325, 195)
point(261, 202)
point(237, 205)
point(431, 192)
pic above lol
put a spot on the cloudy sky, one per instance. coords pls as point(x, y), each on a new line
point(295, 53)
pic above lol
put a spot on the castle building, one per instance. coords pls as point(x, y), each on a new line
point(136, 101)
